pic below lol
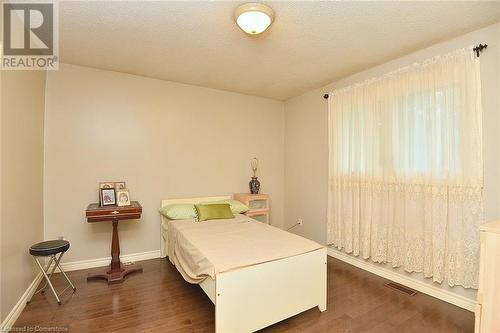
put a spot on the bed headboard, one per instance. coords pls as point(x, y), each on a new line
point(197, 200)
point(164, 220)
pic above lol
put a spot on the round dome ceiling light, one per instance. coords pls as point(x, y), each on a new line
point(253, 18)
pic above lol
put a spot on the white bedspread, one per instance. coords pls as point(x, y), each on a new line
point(202, 249)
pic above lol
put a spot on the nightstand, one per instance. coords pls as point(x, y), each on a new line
point(95, 213)
point(258, 204)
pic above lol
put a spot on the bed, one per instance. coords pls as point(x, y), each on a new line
point(255, 274)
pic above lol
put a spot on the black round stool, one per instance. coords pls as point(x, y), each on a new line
point(55, 250)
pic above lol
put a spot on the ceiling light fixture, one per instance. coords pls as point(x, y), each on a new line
point(253, 18)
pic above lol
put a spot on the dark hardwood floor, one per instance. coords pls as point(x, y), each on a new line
point(159, 300)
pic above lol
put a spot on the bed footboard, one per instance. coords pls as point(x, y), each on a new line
point(251, 298)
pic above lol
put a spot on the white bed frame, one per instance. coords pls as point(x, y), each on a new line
point(254, 297)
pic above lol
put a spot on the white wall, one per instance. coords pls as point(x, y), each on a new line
point(164, 139)
point(306, 164)
point(22, 118)
point(306, 133)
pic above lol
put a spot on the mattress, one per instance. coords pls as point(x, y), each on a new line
point(205, 249)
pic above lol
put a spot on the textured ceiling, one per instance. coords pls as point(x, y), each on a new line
point(309, 44)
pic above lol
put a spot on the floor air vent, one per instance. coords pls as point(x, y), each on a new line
point(401, 288)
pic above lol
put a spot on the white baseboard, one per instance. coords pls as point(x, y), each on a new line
point(444, 295)
point(100, 262)
point(20, 305)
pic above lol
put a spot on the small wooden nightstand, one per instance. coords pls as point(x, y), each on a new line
point(258, 204)
point(95, 213)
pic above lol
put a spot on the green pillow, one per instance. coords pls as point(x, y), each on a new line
point(178, 211)
point(213, 211)
point(237, 207)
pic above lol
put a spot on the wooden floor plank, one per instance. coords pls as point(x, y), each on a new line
point(159, 300)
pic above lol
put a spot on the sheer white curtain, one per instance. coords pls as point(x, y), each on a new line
point(405, 168)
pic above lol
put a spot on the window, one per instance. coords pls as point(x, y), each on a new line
point(405, 168)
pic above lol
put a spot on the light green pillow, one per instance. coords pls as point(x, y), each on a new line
point(213, 212)
point(237, 207)
point(178, 211)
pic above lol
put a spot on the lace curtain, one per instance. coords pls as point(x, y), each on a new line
point(405, 168)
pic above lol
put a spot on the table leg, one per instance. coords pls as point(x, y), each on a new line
point(116, 272)
point(115, 250)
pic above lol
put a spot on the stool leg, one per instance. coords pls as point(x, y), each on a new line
point(42, 290)
point(48, 280)
point(63, 272)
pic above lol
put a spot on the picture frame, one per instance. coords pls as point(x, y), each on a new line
point(106, 185)
point(120, 186)
point(107, 196)
point(122, 198)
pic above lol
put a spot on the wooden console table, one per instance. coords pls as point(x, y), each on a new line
point(95, 213)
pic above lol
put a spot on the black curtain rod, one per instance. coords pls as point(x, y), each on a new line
point(477, 49)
